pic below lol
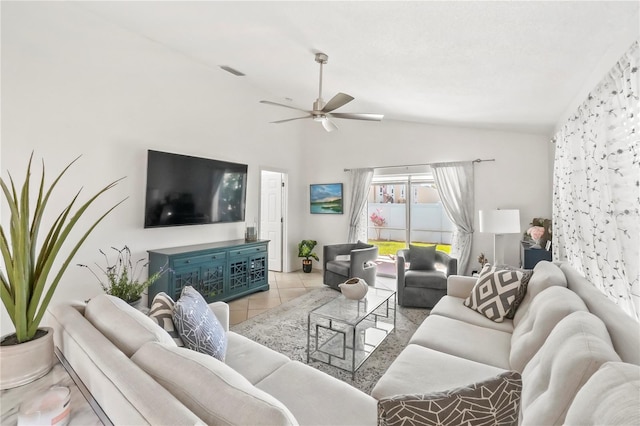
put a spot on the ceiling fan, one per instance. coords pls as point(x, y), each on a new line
point(322, 112)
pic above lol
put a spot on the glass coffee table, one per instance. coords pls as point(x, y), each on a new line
point(344, 333)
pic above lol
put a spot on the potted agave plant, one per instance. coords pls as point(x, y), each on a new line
point(29, 278)
point(305, 250)
point(122, 277)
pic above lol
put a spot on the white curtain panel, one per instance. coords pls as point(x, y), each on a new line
point(360, 180)
point(596, 199)
point(455, 187)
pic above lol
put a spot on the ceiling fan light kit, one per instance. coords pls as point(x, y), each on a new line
point(322, 112)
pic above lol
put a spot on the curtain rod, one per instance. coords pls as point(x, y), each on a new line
point(477, 160)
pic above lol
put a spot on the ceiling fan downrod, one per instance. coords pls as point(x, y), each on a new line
point(322, 59)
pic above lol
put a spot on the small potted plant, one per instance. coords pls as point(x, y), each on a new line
point(305, 250)
point(122, 278)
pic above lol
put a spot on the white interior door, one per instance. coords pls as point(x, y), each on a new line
point(271, 217)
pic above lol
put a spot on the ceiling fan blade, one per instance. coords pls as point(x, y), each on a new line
point(356, 116)
point(337, 101)
point(283, 105)
point(329, 125)
point(289, 119)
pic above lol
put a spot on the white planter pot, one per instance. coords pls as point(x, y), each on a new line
point(354, 288)
point(23, 363)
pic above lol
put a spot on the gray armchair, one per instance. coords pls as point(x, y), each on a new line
point(344, 261)
point(422, 288)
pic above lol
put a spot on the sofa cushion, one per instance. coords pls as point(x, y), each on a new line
point(340, 267)
point(125, 326)
point(198, 326)
point(610, 397)
point(453, 307)
point(127, 394)
point(251, 359)
point(420, 370)
point(464, 340)
point(546, 310)
point(315, 398)
point(545, 275)
point(210, 388)
point(574, 350)
point(161, 312)
point(494, 401)
point(495, 292)
point(422, 258)
point(425, 279)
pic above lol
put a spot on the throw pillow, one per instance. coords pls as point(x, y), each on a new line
point(495, 401)
point(495, 292)
point(422, 258)
point(162, 312)
point(522, 291)
point(198, 326)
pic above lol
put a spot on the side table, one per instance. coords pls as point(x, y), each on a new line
point(84, 409)
point(531, 256)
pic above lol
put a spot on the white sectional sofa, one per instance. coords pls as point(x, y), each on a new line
point(562, 334)
point(139, 376)
point(578, 355)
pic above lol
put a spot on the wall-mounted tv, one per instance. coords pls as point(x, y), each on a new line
point(185, 190)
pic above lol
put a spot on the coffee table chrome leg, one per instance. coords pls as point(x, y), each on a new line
point(308, 336)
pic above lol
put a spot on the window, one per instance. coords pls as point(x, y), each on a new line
point(405, 208)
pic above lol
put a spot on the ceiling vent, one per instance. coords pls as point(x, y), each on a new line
point(232, 70)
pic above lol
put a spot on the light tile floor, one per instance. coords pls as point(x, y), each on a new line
point(282, 288)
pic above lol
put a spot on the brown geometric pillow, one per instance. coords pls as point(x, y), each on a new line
point(495, 401)
point(522, 291)
point(162, 312)
point(495, 292)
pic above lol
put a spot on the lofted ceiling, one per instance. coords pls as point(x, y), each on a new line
point(504, 65)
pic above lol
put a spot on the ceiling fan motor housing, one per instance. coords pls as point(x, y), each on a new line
point(321, 58)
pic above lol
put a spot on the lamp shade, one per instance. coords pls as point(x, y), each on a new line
point(500, 221)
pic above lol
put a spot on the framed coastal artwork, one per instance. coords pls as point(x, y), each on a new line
point(326, 198)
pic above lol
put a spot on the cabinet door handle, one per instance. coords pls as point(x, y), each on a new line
point(187, 261)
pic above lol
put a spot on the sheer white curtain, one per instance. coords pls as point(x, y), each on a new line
point(360, 180)
point(596, 223)
point(455, 187)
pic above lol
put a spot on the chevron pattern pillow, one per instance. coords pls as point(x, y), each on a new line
point(162, 312)
point(198, 326)
point(495, 292)
point(495, 401)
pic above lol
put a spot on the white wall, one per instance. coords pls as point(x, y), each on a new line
point(519, 177)
point(73, 84)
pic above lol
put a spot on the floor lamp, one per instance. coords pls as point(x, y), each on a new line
point(499, 222)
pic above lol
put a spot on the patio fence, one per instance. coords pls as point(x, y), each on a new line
point(429, 223)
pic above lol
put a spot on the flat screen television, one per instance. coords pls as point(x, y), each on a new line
point(185, 190)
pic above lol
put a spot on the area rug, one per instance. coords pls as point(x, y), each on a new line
point(284, 329)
